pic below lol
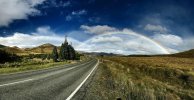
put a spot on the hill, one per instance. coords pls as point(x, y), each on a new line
point(14, 49)
point(2, 46)
point(185, 54)
point(45, 48)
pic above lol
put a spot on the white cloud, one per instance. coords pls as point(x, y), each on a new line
point(171, 42)
point(124, 43)
point(81, 12)
point(188, 43)
point(99, 29)
point(155, 28)
point(168, 39)
point(75, 14)
point(106, 39)
point(117, 41)
point(11, 10)
point(44, 30)
point(174, 43)
point(35, 39)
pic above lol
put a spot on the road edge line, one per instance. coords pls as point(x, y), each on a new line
point(80, 85)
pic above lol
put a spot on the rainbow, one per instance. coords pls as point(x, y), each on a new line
point(130, 32)
point(126, 31)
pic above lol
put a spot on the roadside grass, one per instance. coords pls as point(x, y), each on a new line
point(29, 65)
point(34, 63)
point(143, 78)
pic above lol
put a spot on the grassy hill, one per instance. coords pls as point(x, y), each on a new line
point(15, 50)
point(185, 54)
point(45, 48)
point(2, 46)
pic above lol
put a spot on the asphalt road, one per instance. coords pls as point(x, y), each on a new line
point(58, 83)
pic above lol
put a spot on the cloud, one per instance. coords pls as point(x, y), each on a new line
point(81, 12)
point(155, 28)
point(99, 29)
point(44, 30)
point(122, 43)
point(35, 2)
point(174, 43)
point(188, 43)
point(75, 14)
point(94, 19)
point(68, 18)
point(168, 39)
point(42, 36)
point(56, 4)
point(65, 4)
point(106, 39)
point(11, 10)
point(125, 41)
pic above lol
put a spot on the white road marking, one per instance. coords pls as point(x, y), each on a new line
point(16, 82)
point(75, 91)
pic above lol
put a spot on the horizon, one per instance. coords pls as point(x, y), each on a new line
point(121, 27)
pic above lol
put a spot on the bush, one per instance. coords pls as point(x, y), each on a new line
point(7, 57)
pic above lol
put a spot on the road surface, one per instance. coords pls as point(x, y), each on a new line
point(58, 83)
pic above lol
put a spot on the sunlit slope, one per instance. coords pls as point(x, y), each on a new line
point(45, 48)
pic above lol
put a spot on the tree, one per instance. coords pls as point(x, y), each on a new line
point(55, 54)
point(72, 54)
point(67, 52)
point(61, 52)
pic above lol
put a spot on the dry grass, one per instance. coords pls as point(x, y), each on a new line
point(144, 78)
point(31, 64)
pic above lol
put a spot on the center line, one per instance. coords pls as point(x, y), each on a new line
point(16, 82)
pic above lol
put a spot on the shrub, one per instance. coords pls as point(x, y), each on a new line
point(8, 57)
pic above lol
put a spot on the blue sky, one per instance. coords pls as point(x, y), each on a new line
point(115, 26)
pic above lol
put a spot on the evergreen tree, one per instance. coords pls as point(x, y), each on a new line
point(61, 53)
point(55, 54)
point(72, 54)
point(67, 52)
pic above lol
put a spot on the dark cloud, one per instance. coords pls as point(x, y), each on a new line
point(68, 15)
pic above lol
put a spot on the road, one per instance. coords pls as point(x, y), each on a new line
point(58, 83)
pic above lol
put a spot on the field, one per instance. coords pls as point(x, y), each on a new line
point(143, 78)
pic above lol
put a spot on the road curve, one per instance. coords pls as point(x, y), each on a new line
point(58, 83)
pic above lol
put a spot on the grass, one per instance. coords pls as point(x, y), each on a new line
point(143, 78)
point(34, 64)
